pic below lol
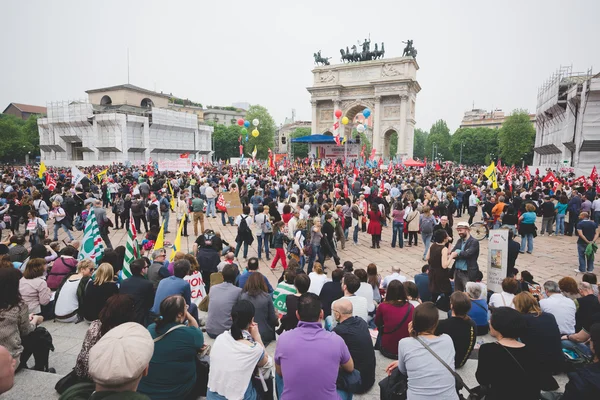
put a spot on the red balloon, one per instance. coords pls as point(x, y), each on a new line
point(240, 122)
point(338, 113)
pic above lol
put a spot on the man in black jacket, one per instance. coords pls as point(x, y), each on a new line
point(355, 332)
point(465, 254)
point(140, 289)
point(327, 242)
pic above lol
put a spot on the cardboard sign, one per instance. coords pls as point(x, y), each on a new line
point(497, 259)
point(233, 204)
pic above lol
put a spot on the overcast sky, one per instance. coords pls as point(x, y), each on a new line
point(495, 54)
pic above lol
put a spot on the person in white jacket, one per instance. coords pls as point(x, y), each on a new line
point(181, 212)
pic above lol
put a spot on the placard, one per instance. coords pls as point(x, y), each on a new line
point(497, 259)
point(180, 164)
point(233, 204)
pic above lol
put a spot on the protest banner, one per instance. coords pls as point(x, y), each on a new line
point(497, 259)
point(233, 204)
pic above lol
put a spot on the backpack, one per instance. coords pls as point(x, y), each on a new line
point(153, 213)
point(163, 206)
point(427, 225)
point(79, 223)
point(136, 207)
point(244, 229)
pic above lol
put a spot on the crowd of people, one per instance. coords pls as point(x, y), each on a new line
point(146, 334)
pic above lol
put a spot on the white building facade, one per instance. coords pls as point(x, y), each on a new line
point(111, 127)
point(568, 123)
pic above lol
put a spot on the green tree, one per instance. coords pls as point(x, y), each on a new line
point(364, 140)
point(478, 145)
point(439, 134)
point(31, 134)
point(419, 143)
point(299, 149)
point(393, 145)
point(15, 144)
point(516, 138)
point(226, 141)
point(266, 127)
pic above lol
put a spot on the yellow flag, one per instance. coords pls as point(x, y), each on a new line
point(344, 140)
point(490, 172)
point(42, 170)
point(172, 196)
point(177, 243)
point(160, 239)
point(101, 174)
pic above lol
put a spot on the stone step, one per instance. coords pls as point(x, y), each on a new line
point(30, 384)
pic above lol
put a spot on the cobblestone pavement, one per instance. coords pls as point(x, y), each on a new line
point(552, 258)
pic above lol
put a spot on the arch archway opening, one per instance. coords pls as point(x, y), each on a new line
point(105, 101)
point(356, 118)
point(147, 103)
point(390, 144)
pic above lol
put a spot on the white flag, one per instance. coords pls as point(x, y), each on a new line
point(76, 175)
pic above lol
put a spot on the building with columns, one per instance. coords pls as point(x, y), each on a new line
point(119, 124)
point(388, 87)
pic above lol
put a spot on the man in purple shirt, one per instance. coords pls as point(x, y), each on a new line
point(308, 358)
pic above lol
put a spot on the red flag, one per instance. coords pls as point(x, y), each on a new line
point(499, 166)
point(221, 205)
point(241, 149)
point(362, 151)
point(337, 140)
point(346, 187)
point(50, 182)
point(382, 188)
point(379, 162)
point(271, 163)
point(509, 178)
point(390, 168)
point(594, 174)
point(355, 173)
point(537, 171)
point(336, 126)
point(184, 155)
point(372, 156)
point(150, 168)
point(527, 174)
point(549, 178)
point(437, 166)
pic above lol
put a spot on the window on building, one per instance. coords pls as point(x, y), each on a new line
point(76, 151)
point(106, 101)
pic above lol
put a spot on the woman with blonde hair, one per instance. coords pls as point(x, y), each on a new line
point(98, 291)
point(60, 219)
point(68, 299)
point(315, 243)
point(542, 336)
point(317, 279)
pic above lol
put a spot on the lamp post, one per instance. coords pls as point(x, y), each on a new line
point(461, 148)
point(433, 151)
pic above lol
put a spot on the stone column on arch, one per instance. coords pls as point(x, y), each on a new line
point(377, 127)
point(314, 126)
point(337, 105)
point(402, 139)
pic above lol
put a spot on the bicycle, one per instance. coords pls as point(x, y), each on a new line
point(481, 230)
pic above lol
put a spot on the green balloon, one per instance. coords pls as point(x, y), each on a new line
point(244, 131)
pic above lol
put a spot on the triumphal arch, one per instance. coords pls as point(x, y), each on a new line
point(388, 87)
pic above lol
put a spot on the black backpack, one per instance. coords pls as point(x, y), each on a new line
point(244, 229)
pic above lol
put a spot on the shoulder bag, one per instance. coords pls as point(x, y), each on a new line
point(382, 332)
point(474, 394)
point(393, 387)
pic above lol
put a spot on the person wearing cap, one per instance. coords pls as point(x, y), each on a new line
point(117, 363)
point(465, 254)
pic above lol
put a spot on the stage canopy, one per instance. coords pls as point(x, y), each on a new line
point(412, 163)
point(320, 139)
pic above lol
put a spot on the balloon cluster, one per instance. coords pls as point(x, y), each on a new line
point(246, 124)
point(366, 114)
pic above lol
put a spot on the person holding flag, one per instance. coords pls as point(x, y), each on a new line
point(181, 215)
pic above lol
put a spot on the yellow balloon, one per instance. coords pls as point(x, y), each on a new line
point(255, 133)
point(345, 121)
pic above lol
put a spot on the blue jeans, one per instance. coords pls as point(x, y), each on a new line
point(165, 220)
point(346, 232)
point(250, 394)
point(355, 234)
point(597, 217)
point(344, 395)
point(262, 238)
point(239, 246)
point(210, 208)
point(527, 239)
point(583, 262)
point(57, 226)
point(397, 228)
point(560, 224)
point(316, 252)
point(229, 219)
point(567, 344)
point(44, 217)
point(426, 237)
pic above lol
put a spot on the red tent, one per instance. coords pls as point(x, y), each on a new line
point(412, 163)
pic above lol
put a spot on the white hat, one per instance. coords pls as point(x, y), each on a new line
point(463, 225)
point(121, 355)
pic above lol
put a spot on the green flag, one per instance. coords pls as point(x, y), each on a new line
point(91, 245)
